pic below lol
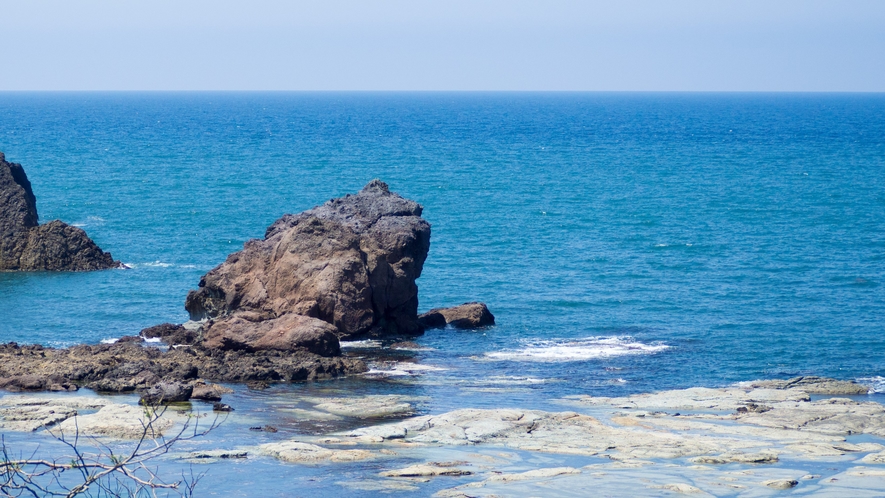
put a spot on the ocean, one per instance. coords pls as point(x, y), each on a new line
point(625, 242)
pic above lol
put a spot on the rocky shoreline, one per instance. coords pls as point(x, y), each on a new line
point(129, 367)
point(273, 312)
point(756, 438)
point(277, 311)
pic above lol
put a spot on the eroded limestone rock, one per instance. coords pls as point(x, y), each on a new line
point(371, 406)
point(306, 453)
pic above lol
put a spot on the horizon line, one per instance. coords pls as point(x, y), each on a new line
point(843, 92)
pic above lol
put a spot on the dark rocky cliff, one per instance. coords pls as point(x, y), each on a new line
point(27, 246)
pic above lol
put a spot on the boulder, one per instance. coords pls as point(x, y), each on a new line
point(167, 392)
point(209, 392)
point(287, 333)
point(350, 264)
point(466, 316)
point(27, 246)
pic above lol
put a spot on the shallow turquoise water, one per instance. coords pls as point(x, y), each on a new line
point(653, 240)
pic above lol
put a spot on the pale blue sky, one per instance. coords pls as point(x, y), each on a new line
point(684, 45)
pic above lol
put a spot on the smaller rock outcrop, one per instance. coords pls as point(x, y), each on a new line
point(27, 246)
point(466, 316)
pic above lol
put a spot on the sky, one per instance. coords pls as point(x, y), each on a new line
point(453, 45)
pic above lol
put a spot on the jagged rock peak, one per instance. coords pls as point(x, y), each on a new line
point(27, 246)
point(16, 197)
point(358, 212)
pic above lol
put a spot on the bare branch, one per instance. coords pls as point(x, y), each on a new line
point(109, 472)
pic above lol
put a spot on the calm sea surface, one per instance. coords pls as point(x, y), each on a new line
point(625, 242)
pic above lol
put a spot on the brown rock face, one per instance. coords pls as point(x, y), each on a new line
point(26, 246)
point(465, 316)
point(286, 333)
point(347, 268)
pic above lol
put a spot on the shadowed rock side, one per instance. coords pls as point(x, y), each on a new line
point(27, 246)
point(345, 268)
point(465, 316)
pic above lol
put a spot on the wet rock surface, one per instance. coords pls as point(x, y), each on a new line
point(170, 333)
point(306, 453)
point(681, 433)
point(345, 268)
point(371, 406)
point(692, 441)
point(466, 316)
point(127, 367)
point(27, 246)
point(814, 385)
point(77, 415)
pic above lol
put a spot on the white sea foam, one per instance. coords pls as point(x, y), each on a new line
point(368, 343)
point(150, 264)
point(400, 369)
point(154, 339)
point(110, 341)
point(589, 348)
point(156, 264)
point(513, 380)
point(876, 384)
point(90, 220)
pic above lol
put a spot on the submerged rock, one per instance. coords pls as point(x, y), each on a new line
point(27, 246)
point(815, 385)
point(706, 429)
point(466, 316)
point(306, 453)
point(370, 406)
point(431, 469)
point(350, 264)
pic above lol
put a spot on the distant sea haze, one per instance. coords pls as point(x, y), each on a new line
point(624, 242)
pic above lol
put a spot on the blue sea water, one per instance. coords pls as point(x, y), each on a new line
point(625, 242)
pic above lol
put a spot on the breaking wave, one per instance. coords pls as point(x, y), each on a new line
point(589, 348)
point(876, 384)
point(400, 369)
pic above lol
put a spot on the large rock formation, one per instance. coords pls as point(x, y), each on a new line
point(27, 246)
point(346, 268)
